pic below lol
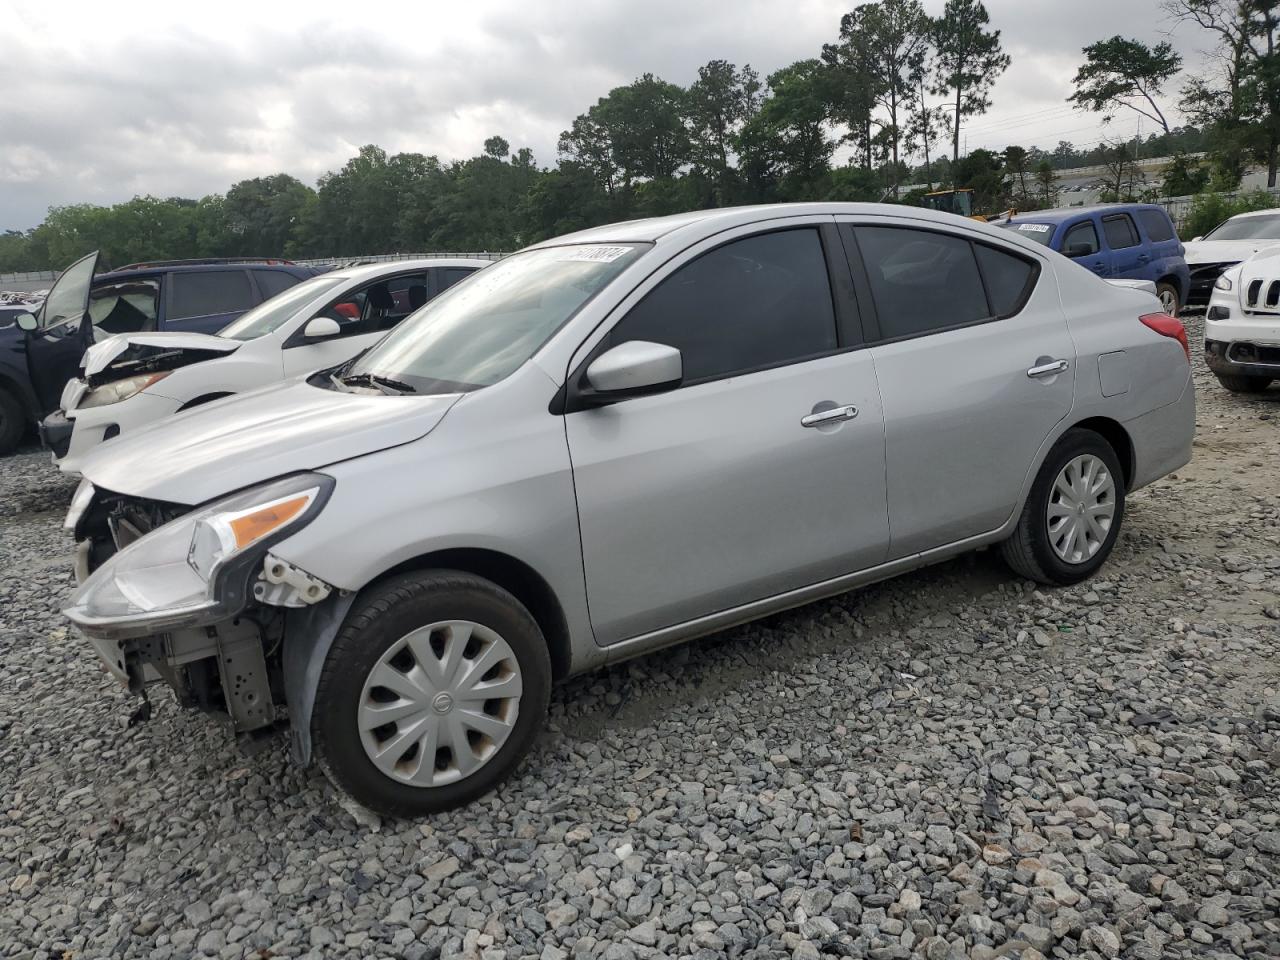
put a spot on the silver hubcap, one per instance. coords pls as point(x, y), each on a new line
point(1082, 505)
point(439, 703)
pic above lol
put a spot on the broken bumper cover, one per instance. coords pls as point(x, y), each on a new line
point(55, 434)
point(199, 569)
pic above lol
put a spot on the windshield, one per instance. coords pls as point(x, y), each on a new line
point(70, 295)
point(270, 314)
point(481, 330)
point(1041, 233)
point(1247, 228)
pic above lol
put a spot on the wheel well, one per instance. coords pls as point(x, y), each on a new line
point(518, 579)
point(1118, 437)
point(204, 398)
point(1172, 281)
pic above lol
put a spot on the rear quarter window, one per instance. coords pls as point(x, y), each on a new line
point(1157, 224)
point(271, 282)
point(1008, 277)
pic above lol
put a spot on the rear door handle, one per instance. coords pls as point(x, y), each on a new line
point(847, 412)
point(1048, 369)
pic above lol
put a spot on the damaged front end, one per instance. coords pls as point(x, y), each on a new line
point(135, 355)
point(194, 597)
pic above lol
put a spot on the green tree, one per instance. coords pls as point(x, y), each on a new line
point(1125, 73)
point(1016, 165)
point(786, 144)
point(1046, 185)
point(969, 61)
point(261, 214)
point(853, 83)
point(717, 105)
point(897, 34)
point(1184, 176)
point(982, 172)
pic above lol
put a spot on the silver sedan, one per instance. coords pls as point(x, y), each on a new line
point(611, 442)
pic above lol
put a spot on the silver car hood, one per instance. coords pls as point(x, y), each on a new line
point(228, 444)
point(100, 356)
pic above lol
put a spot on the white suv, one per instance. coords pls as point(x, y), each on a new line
point(1242, 326)
point(132, 379)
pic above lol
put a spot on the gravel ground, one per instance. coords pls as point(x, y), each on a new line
point(953, 764)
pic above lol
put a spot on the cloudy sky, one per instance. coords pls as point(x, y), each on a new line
point(99, 102)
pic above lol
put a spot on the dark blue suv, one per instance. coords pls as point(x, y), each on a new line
point(40, 352)
point(1132, 241)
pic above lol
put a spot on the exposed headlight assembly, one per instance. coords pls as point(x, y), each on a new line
point(1223, 282)
point(119, 390)
point(197, 569)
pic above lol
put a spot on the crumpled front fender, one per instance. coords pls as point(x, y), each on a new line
point(308, 634)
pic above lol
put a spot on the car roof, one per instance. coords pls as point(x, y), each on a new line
point(151, 269)
point(371, 271)
point(1256, 213)
point(709, 222)
point(1060, 214)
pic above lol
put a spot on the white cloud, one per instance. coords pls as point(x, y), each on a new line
point(116, 100)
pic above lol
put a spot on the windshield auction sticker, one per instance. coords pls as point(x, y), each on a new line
point(1034, 227)
point(593, 254)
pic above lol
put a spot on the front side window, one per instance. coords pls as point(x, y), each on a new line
point(126, 306)
point(270, 314)
point(1081, 240)
point(208, 293)
point(1157, 224)
point(479, 332)
point(1120, 232)
point(921, 281)
point(757, 302)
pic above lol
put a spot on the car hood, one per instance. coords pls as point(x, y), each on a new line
point(128, 354)
point(1223, 251)
point(232, 443)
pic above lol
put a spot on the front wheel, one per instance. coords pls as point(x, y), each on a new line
point(432, 692)
point(1073, 514)
point(1238, 383)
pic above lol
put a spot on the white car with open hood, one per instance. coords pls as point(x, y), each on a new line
point(1227, 245)
point(129, 380)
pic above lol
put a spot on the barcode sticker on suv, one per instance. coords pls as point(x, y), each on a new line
point(593, 254)
point(1034, 227)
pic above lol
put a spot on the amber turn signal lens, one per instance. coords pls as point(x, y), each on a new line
point(255, 525)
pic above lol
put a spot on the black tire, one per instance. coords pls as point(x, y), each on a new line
point(1028, 550)
point(1239, 383)
point(13, 422)
point(379, 618)
point(1167, 291)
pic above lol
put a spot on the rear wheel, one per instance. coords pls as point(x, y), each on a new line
point(432, 692)
point(1238, 383)
point(1168, 295)
point(13, 423)
point(1073, 514)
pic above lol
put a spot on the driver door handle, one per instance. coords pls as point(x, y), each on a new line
point(1048, 369)
point(834, 415)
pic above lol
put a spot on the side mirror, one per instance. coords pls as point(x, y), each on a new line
point(633, 369)
point(318, 328)
point(1196, 239)
point(28, 322)
point(1079, 250)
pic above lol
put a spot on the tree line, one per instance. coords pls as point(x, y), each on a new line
point(878, 114)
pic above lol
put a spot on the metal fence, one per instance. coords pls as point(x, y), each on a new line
point(1179, 208)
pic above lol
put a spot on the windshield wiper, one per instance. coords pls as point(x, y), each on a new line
point(387, 385)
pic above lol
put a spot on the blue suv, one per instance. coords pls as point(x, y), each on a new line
point(40, 352)
point(1131, 241)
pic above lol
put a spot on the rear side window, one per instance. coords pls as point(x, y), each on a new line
point(1009, 279)
point(758, 302)
point(451, 275)
point(1081, 240)
point(204, 294)
point(921, 281)
point(1120, 232)
point(1157, 224)
point(271, 282)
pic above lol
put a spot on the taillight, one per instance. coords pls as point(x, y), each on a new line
point(1168, 326)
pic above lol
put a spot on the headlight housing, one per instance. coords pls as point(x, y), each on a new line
point(197, 569)
point(1224, 282)
point(119, 390)
point(79, 503)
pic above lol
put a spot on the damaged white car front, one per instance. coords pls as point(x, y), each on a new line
point(196, 599)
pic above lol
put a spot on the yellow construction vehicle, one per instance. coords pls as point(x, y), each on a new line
point(959, 202)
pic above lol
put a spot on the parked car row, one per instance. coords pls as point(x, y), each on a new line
point(603, 444)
